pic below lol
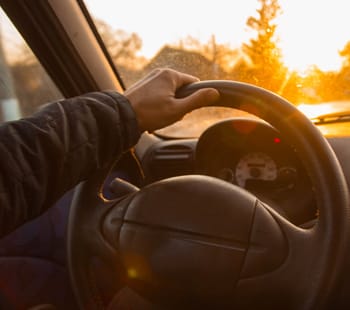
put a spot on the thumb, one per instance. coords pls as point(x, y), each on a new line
point(200, 98)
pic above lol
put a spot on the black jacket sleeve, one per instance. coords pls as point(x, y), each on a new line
point(45, 155)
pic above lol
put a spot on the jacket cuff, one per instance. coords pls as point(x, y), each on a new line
point(132, 130)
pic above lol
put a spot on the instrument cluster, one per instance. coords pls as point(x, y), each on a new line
point(253, 155)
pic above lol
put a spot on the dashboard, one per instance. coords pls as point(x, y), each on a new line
point(251, 154)
point(245, 152)
point(248, 153)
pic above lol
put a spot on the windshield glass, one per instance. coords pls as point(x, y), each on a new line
point(296, 48)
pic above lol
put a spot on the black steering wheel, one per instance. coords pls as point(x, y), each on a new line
point(193, 241)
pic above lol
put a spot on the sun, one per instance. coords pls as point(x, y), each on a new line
point(304, 51)
point(312, 32)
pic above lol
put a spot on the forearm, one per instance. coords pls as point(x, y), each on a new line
point(47, 154)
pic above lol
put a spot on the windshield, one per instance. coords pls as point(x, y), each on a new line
point(299, 49)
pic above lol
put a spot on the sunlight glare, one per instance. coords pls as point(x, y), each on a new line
point(312, 33)
point(314, 110)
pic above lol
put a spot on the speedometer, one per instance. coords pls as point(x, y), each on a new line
point(255, 166)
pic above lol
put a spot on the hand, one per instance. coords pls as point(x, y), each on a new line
point(153, 98)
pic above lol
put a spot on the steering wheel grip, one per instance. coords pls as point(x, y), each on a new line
point(196, 240)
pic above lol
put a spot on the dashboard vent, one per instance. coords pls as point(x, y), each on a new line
point(172, 160)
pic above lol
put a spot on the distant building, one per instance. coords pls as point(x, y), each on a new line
point(185, 61)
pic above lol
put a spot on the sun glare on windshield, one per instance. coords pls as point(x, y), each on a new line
point(298, 49)
point(311, 33)
point(312, 111)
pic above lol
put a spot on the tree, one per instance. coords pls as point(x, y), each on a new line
point(266, 66)
point(122, 46)
point(345, 53)
point(222, 56)
point(342, 78)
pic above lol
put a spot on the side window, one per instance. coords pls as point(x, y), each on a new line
point(24, 84)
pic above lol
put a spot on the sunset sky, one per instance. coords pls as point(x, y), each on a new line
point(310, 31)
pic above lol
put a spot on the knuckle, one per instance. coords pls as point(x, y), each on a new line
point(166, 72)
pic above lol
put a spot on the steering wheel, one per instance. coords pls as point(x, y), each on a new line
point(195, 240)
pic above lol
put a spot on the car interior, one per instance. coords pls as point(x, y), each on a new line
point(240, 205)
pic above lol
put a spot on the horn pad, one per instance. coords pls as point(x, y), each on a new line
point(188, 240)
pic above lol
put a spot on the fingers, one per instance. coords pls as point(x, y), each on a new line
point(184, 79)
point(166, 75)
point(198, 99)
point(153, 98)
